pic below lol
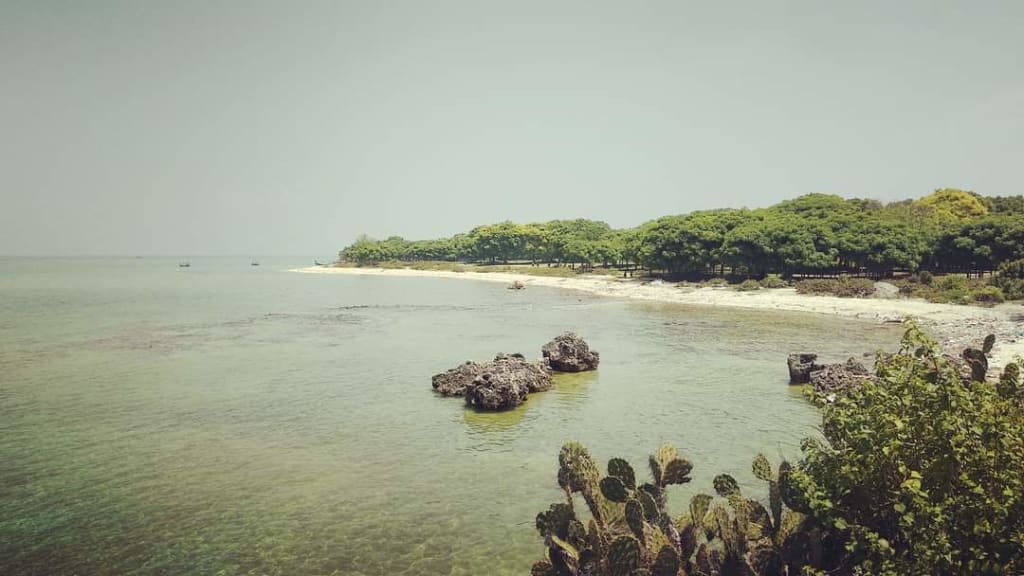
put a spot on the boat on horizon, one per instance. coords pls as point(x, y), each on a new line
point(183, 264)
point(254, 263)
point(318, 263)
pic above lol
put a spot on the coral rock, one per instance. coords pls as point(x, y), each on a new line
point(570, 353)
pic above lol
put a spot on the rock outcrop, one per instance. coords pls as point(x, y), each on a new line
point(506, 382)
point(453, 382)
point(837, 378)
point(569, 353)
point(801, 366)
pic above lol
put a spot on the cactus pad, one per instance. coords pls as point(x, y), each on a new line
point(726, 485)
point(651, 511)
point(613, 489)
point(699, 507)
point(555, 520)
point(990, 341)
point(624, 556)
point(789, 493)
point(762, 468)
point(666, 563)
point(576, 469)
point(677, 471)
point(621, 469)
point(635, 517)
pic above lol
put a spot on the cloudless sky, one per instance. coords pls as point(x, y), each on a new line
point(252, 127)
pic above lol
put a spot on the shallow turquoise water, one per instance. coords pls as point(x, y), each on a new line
point(225, 419)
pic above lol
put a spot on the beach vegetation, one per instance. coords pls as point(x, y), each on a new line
point(916, 472)
point(844, 286)
point(816, 236)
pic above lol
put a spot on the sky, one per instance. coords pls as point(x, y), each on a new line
point(250, 127)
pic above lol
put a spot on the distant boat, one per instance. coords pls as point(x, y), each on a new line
point(183, 264)
point(254, 263)
point(318, 263)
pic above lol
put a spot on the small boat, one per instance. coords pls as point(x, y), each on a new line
point(183, 264)
point(254, 263)
point(317, 263)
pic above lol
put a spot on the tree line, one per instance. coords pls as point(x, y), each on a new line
point(816, 234)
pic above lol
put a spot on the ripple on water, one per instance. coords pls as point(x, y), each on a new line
point(166, 423)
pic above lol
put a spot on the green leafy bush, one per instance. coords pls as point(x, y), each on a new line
point(1010, 279)
point(749, 285)
point(988, 295)
point(1012, 269)
point(921, 473)
point(843, 286)
point(773, 281)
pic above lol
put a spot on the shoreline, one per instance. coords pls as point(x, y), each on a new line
point(953, 326)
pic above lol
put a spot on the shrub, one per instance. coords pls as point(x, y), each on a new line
point(773, 281)
point(749, 285)
point(844, 286)
point(919, 472)
point(989, 295)
point(1012, 288)
point(1012, 269)
point(952, 282)
point(1010, 279)
point(925, 277)
point(717, 283)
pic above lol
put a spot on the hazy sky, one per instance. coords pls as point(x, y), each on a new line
point(246, 127)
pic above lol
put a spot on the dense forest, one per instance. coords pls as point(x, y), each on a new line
point(813, 235)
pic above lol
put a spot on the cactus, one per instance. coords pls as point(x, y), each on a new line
point(632, 534)
point(619, 468)
point(978, 362)
point(576, 469)
point(635, 517)
point(613, 489)
point(1009, 381)
point(624, 556)
point(987, 345)
point(666, 563)
point(762, 468)
point(726, 485)
point(677, 471)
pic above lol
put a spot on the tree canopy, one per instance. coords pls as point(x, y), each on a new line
point(947, 231)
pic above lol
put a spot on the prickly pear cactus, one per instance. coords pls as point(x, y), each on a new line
point(635, 517)
point(677, 471)
point(576, 469)
point(762, 468)
point(726, 485)
point(619, 468)
point(613, 489)
point(666, 563)
point(631, 533)
point(987, 345)
point(624, 556)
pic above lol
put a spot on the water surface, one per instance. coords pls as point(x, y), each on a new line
point(228, 419)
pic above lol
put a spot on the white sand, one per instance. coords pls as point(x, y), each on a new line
point(955, 326)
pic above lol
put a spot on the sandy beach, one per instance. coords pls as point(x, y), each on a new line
point(955, 326)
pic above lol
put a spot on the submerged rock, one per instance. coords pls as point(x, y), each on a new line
point(453, 382)
point(570, 353)
point(801, 366)
point(505, 382)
